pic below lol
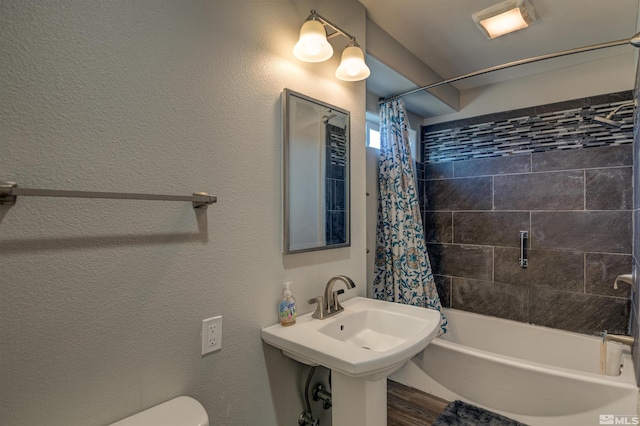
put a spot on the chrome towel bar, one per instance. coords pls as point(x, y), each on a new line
point(9, 192)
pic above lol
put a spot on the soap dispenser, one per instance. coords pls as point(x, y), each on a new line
point(287, 308)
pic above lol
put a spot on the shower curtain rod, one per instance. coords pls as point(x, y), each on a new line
point(634, 41)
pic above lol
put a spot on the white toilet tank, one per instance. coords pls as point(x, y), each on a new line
point(180, 411)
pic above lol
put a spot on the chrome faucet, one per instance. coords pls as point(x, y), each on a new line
point(625, 278)
point(329, 304)
point(625, 340)
point(606, 337)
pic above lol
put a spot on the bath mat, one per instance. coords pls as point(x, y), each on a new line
point(459, 413)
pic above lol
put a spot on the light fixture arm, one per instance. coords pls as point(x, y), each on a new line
point(337, 30)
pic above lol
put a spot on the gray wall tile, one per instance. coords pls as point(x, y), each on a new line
point(610, 98)
point(561, 106)
point(420, 191)
point(438, 227)
point(636, 234)
point(599, 232)
point(561, 270)
point(636, 175)
point(635, 294)
point(609, 189)
point(488, 298)
point(540, 191)
point(459, 194)
point(602, 270)
point(489, 228)
point(581, 313)
point(443, 284)
point(586, 158)
point(461, 261)
point(636, 350)
point(438, 170)
point(492, 166)
point(419, 170)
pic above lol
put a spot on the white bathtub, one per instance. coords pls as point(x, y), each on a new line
point(536, 375)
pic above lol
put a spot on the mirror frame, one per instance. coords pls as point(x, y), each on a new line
point(286, 148)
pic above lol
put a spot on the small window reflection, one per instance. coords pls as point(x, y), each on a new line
point(373, 139)
point(373, 135)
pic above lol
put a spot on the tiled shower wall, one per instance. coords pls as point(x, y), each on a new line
point(559, 126)
point(335, 184)
point(576, 205)
point(635, 318)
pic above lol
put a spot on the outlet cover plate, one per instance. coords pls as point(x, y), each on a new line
point(211, 334)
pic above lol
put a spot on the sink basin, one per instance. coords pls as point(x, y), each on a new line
point(373, 329)
point(370, 339)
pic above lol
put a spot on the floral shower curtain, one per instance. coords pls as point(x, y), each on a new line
point(403, 271)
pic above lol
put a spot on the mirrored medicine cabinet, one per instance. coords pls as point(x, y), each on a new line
point(316, 174)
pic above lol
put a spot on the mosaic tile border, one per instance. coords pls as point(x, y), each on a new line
point(560, 126)
point(338, 145)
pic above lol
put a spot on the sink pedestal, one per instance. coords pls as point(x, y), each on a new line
point(358, 402)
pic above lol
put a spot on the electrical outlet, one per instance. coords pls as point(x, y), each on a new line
point(211, 334)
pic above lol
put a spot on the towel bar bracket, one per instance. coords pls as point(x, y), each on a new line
point(9, 192)
point(6, 196)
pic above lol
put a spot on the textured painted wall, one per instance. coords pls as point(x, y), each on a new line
point(101, 301)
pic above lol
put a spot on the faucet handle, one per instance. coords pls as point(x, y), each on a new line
point(336, 302)
point(319, 313)
point(317, 299)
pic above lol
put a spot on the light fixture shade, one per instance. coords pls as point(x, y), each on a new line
point(312, 46)
point(505, 17)
point(352, 66)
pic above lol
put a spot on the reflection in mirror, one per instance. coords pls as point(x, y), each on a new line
point(316, 174)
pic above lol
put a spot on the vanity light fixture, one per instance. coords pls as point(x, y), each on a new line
point(504, 17)
point(313, 46)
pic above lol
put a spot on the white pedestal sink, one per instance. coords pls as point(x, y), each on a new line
point(362, 345)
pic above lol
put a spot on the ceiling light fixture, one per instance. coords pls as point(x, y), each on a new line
point(504, 17)
point(313, 46)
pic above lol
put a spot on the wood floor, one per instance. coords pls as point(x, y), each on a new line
point(410, 407)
